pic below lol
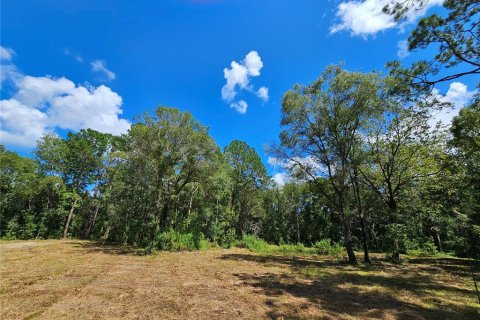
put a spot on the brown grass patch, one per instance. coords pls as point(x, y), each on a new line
point(84, 280)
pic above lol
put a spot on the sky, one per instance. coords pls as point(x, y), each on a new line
point(68, 64)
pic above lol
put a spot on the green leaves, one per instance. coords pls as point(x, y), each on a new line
point(455, 37)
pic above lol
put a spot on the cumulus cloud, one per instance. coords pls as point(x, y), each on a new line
point(101, 67)
point(458, 95)
point(238, 78)
point(42, 104)
point(20, 125)
point(240, 106)
point(366, 18)
point(262, 93)
point(402, 51)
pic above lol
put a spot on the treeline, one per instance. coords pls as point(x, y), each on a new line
point(368, 167)
point(385, 191)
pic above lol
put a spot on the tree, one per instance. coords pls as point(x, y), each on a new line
point(249, 178)
point(31, 204)
point(465, 141)
point(398, 150)
point(457, 37)
point(165, 153)
point(322, 125)
point(80, 161)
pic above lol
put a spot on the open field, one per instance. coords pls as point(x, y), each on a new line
point(83, 280)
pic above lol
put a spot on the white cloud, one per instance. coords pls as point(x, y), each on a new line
point(281, 178)
point(20, 125)
point(240, 73)
point(262, 93)
point(275, 162)
point(366, 18)
point(42, 104)
point(101, 66)
point(402, 49)
point(238, 77)
point(285, 168)
point(458, 95)
point(240, 106)
point(6, 53)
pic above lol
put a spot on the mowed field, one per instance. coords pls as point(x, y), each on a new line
point(84, 280)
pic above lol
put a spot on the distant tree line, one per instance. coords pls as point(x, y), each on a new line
point(368, 168)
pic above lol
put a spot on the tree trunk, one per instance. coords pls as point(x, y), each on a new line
point(396, 250)
point(298, 229)
point(69, 218)
point(164, 217)
point(93, 219)
point(436, 240)
point(392, 207)
point(348, 241)
point(360, 211)
point(191, 201)
point(366, 256)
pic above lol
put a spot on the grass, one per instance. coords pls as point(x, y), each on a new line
point(85, 280)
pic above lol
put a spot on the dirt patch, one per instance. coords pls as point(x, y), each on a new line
point(83, 280)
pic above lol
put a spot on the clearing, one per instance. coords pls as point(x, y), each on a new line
point(56, 279)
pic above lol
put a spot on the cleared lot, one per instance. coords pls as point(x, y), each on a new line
point(84, 280)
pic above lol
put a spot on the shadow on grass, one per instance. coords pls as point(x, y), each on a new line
point(109, 248)
point(382, 290)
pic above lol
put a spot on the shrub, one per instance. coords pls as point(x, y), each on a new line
point(253, 243)
point(327, 247)
point(176, 241)
point(426, 249)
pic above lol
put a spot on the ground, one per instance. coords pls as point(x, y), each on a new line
point(83, 280)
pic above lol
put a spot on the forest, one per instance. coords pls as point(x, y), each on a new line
point(369, 170)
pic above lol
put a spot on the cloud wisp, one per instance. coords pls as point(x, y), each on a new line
point(100, 66)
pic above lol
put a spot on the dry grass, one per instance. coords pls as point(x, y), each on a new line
point(83, 280)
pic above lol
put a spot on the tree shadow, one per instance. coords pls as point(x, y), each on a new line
point(339, 290)
point(109, 248)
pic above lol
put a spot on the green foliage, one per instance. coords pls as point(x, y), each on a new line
point(454, 36)
point(326, 247)
point(426, 249)
point(176, 241)
point(253, 243)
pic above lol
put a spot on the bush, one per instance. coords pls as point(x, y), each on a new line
point(253, 243)
point(426, 249)
point(176, 241)
point(327, 247)
point(227, 239)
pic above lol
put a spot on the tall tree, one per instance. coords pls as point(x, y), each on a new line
point(164, 154)
point(322, 124)
point(249, 177)
point(397, 148)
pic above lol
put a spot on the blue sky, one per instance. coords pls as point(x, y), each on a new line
point(100, 57)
